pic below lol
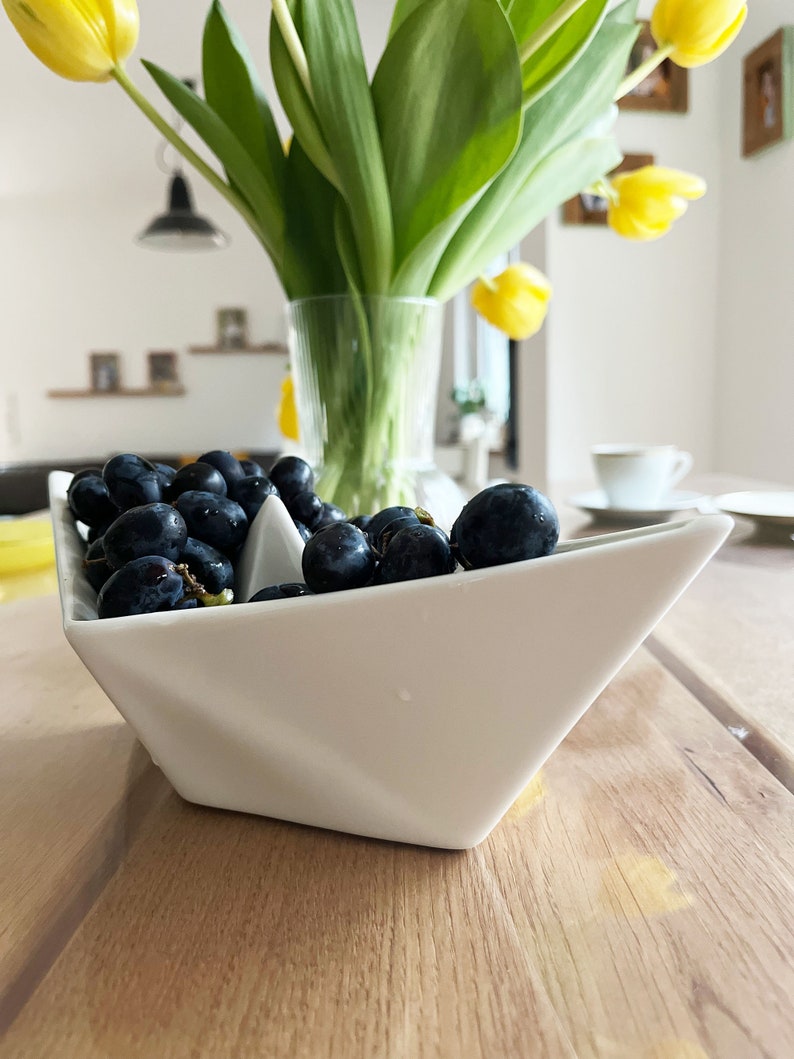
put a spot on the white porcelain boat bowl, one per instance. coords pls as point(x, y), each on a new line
point(415, 712)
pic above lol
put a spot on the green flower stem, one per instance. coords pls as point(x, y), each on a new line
point(548, 29)
point(209, 174)
point(294, 45)
point(637, 76)
point(604, 189)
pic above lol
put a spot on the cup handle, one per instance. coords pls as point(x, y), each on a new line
point(682, 467)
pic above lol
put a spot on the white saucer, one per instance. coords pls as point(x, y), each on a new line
point(764, 508)
point(596, 504)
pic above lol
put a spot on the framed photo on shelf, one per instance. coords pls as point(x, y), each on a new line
point(105, 369)
point(590, 209)
point(232, 330)
point(163, 374)
point(665, 89)
point(768, 92)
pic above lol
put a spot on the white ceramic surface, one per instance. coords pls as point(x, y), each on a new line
point(775, 509)
point(597, 504)
point(639, 476)
point(416, 712)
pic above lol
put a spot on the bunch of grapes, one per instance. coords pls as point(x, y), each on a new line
point(164, 539)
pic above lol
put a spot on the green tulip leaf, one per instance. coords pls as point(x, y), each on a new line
point(447, 96)
point(402, 9)
point(234, 157)
point(295, 99)
point(311, 261)
point(232, 89)
point(559, 176)
point(553, 57)
point(561, 115)
point(346, 118)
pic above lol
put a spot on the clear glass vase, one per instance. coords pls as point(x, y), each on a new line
point(366, 372)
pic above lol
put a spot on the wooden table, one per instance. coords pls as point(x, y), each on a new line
point(636, 902)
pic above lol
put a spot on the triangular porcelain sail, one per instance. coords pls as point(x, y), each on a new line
point(416, 711)
point(272, 551)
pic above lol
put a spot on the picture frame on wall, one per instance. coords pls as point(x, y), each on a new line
point(232, 330)
point(768, 93)
point(163, 372)
point(665, 89)
point(105, 372)
point(588, 209)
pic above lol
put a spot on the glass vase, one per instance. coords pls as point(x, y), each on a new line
point(366, 372)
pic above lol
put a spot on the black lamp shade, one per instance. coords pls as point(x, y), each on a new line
point(181, 228)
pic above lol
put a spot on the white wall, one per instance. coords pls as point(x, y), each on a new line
point(631, 330)
point(754, 423)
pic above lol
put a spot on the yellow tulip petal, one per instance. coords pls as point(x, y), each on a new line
point(515, 301)
point(631, 227)
point(287, 412)
point(698, 30)
point(660, 180)
point(646, 201)
point(81, 40)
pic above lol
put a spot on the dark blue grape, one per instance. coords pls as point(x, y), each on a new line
point(186, 604)
point(505, 523)
point(252, 469)
point(251, 492)
point(95, 532)
point(166, 474)
point(362, 521)
point(304, 531)
point(305, 507)
point(151, 583)
point(132, 481)
point(380, 520)
point(214, 519)
point(330, 513)
point(381, 541)
point(291, 475)
point(415, 552)
point(152, 529)
point(209, 566)
point(197, 476)
point(89, 500)
point(95, 566)
point(86, 472)
point(228, 465)
point(286, 591)
point(338, 557)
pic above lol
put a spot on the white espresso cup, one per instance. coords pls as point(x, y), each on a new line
point(639, 476)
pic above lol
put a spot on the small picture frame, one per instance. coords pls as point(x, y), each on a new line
point(665, 89)
point(768, 93)
point(232, 329)
point(105, 369)
point(163, 373)
point(586, 208)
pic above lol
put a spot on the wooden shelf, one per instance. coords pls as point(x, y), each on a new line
point(264, 347)
point(174, 391)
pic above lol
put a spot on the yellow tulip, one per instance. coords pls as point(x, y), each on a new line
point(515, 301)
point(81, 40)
point(643, 203)
point(287, 414)
point(697, 30)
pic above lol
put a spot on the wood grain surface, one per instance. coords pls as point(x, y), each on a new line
point(635, 902)
point(730, 638)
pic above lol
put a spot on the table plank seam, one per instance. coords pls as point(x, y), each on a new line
point(758, 741)
point(105, 853)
